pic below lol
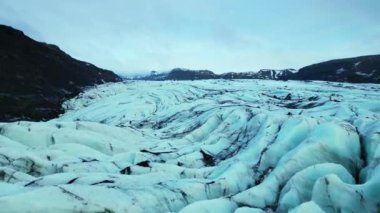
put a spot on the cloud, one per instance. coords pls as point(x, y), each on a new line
point(221, 35)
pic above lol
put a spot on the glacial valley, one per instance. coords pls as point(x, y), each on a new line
point(199, 146)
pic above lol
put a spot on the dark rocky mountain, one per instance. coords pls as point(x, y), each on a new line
point(185, 74)
point(35, 77)
point(363, 69)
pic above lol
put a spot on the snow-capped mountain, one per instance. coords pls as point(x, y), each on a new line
point(363, 69)
point(35, 77)
point(153, 76)
point(268, 74)
point(187, 74)
point(199, 146)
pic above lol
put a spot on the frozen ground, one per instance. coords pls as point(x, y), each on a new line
point(199, 146)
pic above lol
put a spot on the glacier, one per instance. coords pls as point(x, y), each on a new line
point(199, 146)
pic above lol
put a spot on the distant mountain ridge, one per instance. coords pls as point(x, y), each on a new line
point(261, 74)
point(363, 69)
point(35, 77)
point(187, 74)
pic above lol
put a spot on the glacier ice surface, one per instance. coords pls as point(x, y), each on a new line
point(199, 146)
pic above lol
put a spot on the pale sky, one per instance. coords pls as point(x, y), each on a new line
point(221, 35)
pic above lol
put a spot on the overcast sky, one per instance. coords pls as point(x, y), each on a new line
point(221, 35)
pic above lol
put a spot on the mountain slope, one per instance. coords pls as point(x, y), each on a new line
point(35, 77)
point(363, 69)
